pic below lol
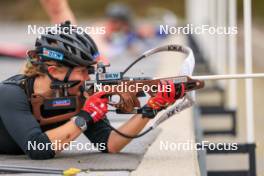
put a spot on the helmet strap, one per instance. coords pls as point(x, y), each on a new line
point(66, 78)
point(56, 83)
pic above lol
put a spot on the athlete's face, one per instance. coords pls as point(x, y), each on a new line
point(78, 73)
point(81, 74)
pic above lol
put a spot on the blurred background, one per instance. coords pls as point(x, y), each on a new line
point(140, 24)
point(16, 10)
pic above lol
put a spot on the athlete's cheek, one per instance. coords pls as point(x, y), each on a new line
point(75, 77)
point(86, 77)
point(81, 76)
point(74, 90)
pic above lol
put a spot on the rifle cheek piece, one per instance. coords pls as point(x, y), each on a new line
point(58, 108)
point(72, 106)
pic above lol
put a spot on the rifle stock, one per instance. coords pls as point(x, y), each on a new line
point(129, 90)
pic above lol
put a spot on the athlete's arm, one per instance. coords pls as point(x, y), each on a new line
point(58, 11)
point(63, 134)
point(20, 123)
point(132, 128)
point(160, 101)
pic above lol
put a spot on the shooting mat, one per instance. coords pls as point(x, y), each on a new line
point(127, 160)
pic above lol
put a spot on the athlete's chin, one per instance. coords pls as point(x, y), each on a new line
point(74, 92)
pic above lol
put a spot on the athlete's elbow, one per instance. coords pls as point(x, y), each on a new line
point(40, 154)
point(113, 149)
point(39, 147)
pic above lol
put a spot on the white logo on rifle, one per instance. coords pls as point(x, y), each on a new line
point(109, 76)
point(180, 80)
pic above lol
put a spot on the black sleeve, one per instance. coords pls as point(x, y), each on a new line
point(98, 133)
point(20, 123)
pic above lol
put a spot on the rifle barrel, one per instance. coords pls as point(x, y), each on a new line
point(230, 76)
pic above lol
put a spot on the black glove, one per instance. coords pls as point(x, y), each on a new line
point(148, 112)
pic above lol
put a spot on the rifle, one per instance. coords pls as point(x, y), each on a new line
point(127, 89)
point(128, 100)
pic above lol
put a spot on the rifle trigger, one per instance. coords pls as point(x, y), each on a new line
point(134, 111)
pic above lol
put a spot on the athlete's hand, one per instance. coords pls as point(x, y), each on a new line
point(96, 107)
point(167, 94)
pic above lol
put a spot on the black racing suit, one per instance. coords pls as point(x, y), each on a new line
point(18, 126)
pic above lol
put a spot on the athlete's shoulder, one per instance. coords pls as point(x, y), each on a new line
point(15, 80)
point(10, 87)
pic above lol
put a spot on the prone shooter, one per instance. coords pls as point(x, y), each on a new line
point(52, 101)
